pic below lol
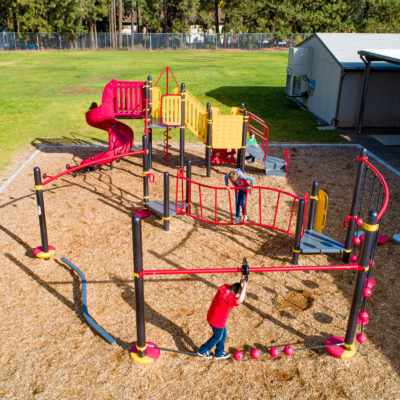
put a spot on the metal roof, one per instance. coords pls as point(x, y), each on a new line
point(344, 47)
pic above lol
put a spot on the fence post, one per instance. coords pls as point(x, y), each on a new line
point(140, 352)
point(299, 229)
point(313, 205)
point(353, 209)
point(150, 41)
point(347, 349)
point(44, 251)
point(182, 129)
point(209, 141)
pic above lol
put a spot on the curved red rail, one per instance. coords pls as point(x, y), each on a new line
point(383, 182)
point(69, 171)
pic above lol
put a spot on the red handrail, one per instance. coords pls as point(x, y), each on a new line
point(351, 267)
point(384, 184)
point(69, 171)
point(263, 135)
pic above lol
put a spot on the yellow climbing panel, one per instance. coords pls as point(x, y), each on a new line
point(171, 109)
point(227, 131)
point(322, 210)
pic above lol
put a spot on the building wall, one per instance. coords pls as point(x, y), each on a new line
point(326, 72)
point(382, 108)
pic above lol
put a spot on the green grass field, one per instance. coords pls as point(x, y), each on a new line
point(44, 95)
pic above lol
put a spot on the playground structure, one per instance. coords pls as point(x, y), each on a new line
point(145, 352)
point(223, 135)
point(171, 110)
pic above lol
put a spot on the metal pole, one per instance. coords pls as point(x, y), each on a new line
point(299, 228)
point(150, 141)
point(40, 207)
point(188, 184)
point(145, 176)
point(244, 138)
point(139, 292)
point(353, 209)
point(370, 231)
point(313, 205)
point(363, 96)
point(238, 157)
point(182, 129)
point(209, 140)
point(166, 201)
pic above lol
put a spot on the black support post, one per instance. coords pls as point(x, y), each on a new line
point(370, 231)
point(209, 140)
point(41, 212)
point(299, 229)
point(353, 210)
point(182, 129)
point(313, 205)
point(363, 96)
point(139, 290)
point(166, 201)
point(188, 184)
point(145, 176)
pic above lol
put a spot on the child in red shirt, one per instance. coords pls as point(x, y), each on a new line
point(227, 297)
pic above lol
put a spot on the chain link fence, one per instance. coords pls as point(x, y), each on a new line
point(150, 41)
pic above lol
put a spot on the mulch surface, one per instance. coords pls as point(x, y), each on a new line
point(49, 352)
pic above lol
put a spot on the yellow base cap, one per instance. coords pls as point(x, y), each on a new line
point(350, 352)
point(47, 254)
point(141, 360)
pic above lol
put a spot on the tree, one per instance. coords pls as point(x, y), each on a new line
point(379, 16)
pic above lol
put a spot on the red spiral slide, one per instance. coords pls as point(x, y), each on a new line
point(120, 99)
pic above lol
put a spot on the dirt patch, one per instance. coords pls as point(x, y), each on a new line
point(295, 300)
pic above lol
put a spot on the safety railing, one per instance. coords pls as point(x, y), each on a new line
point(259, 128)
point(195, 116)
point(128, 99)
point(286, 227)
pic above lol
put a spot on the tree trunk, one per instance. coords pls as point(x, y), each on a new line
point(91, 35)
point(165, 16)
point(138, 16)
point(132, 23)
point(120, 17)
point(216, 16)
point(96, 43)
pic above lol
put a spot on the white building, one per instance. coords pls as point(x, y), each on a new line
point(326, 74)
